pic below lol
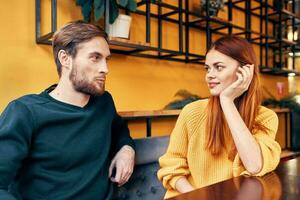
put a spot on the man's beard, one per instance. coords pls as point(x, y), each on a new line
point(83, 85)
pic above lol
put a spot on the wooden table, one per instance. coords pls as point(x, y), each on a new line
point(283, 183)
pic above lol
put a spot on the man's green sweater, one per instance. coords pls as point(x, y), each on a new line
point(57, 151)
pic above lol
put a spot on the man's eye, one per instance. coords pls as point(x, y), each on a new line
point(95, 58)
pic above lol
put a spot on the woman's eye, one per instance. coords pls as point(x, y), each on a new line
point(219, 68)
point(206, 68)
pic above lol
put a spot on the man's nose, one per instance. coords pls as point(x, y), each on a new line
point(103, 67)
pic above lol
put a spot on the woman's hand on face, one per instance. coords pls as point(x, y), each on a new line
point(237, 88)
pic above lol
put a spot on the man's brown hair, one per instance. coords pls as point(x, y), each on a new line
point(70, 35)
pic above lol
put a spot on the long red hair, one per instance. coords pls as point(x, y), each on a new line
point(217, 130)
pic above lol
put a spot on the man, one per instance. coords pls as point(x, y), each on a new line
point(68, 142)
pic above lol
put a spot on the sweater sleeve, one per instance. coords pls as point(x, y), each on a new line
point(15, 137)
point(120, 131)
point(270, 149)
point(174, 162)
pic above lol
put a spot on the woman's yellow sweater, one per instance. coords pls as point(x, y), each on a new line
point(187, 156)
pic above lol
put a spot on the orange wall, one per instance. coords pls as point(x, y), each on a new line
point(136, 83)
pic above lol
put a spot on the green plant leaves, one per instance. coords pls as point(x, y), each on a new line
point(113, 11)
point(86, 9)
point(186, 94)
point(80, 2)
point(122, 3)
point(291, 102)
point(186, 98)
point(131, 5)
point(98, 3)
point(179, 104)
point(99, 8)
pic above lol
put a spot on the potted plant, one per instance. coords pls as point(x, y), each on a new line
point(213, 7)
point(292, 102)
point(97, 8)
point(185, 96)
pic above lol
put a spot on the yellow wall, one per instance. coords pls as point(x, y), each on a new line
point(135, 83)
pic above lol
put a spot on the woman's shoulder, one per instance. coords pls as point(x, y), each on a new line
point(195, 108)
point(266, 114)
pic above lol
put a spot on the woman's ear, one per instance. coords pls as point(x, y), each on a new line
point(64, 59)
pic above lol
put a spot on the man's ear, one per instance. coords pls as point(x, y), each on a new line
point(64, 59)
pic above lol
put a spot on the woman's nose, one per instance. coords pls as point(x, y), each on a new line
point(211, 74)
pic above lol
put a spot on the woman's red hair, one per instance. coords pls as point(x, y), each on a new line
point(217, 130)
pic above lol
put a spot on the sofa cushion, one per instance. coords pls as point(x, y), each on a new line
point(143, 183)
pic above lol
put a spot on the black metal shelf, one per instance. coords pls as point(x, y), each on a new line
point(282, 43)
point(280, 17)
point(186, 20)
point(278, 71)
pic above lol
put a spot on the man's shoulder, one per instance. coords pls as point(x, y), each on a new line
point(28, 102)
point(106, 96)
point(22, 106)
point(31, 99)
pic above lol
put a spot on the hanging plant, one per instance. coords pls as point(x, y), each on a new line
point(98, 8)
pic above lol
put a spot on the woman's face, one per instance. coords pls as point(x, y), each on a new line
point(220, 71)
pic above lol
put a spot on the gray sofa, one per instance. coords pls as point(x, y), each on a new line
point(143, 183)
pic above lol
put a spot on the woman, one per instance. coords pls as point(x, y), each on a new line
point(229, 134)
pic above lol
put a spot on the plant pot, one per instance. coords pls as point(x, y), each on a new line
point(121, 27)
point(213, 12)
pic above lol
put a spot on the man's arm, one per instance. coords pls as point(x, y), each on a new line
point(122, 143)
point(4, 195)
point(120, 134)
point(15, 134)
point(123, 163)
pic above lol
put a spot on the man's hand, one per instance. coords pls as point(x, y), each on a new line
point(123, 162)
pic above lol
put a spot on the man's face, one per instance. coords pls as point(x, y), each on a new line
point(221, 71)
point(89, 67)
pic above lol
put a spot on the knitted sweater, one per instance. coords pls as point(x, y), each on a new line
point(187, 156)
point(53, 150)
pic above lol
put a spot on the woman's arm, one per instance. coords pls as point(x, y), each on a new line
point(183, 185)
point(247, 147)
point(173, 163)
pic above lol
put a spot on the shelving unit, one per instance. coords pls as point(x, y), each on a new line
point(274, 46)
point(281, 18)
